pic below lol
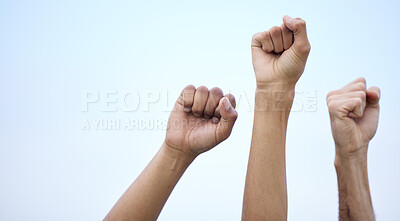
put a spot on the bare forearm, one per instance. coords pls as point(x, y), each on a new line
point(194, 127)
point(354, 114)
point(265, 192)
point(146, 197)
point(354, 193)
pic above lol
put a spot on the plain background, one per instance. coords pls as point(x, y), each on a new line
point(52, 52)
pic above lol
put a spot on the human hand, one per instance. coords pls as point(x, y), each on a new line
point(354, 113)
point(280, 54)
point(200, 120)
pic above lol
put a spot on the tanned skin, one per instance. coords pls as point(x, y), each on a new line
point(200, 120)
point(354, 114)
point(279, 58)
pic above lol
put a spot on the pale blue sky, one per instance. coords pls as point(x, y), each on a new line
point(51, 51)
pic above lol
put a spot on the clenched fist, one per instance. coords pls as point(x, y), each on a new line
point(280, 54)
point(354, 113)
point(200, 120)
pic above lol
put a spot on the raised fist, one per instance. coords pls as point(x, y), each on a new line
point(280, 54)
point(354, 113)
point(200, 120)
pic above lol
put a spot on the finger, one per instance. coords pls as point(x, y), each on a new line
point(256, 45)
point(228, 118)
point(353, 94)
point(373, 96)
point(347, 96)
point(200, 100)
point(266, 42)
point(262, 41)
point(346, 108)
point(360, 84)
point(276, 36)
point(256, 40)
point(360, 79)
point(217, 112)
point(287, 37)
point(356, 107)
point(213, 100)
point(298, 27)
point(232, 100)
point(186, 98)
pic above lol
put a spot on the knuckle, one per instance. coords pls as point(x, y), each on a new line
point(362, 79)
point(358, 101)
point(330, 94)
point(196, 110)
point(362, 95)
point(275, 31)
point(284, 29)
point(188, 90)
point(256, 36)
point(230, 96)
point(360, 86)
point(207, 114)
point(235, 116)
point(305, 47)
point(231, 99)
point(332, 106)
point(264, 35)
point(190, 87)
point(202, 89)
point(216, 91)
point(300, 23)
point(254, 40)
point(328, 99)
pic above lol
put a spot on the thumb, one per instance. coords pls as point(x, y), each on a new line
point(298, 27)
point(373, 96)
point(228, 118)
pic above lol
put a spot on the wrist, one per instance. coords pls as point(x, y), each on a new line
point(357, 157)
point(176, 153)
point(282, 86)
point(274, 97)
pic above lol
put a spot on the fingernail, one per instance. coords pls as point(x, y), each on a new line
point(186, 109)
point(288, 18)
point(227, 104)
point(215, 120)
